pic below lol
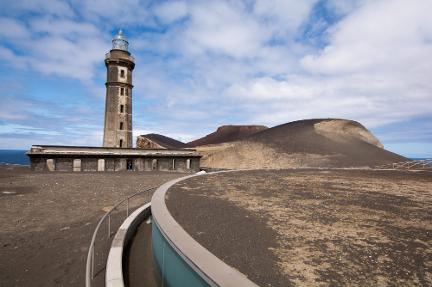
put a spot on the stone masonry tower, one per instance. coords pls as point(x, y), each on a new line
point(118, 102)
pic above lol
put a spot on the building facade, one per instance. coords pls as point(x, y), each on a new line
point(78, 158)
point(118, 103)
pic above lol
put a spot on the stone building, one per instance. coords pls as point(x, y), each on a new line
point(78, 158)
point(117, 153)
point(118, 104)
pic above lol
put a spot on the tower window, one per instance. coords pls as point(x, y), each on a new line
point(122, 91)
point(122, 73)
point(121, 143)
point(121, 125)
point(127, 92)
point(121, 108)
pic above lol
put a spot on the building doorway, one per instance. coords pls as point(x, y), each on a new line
point(129, 164)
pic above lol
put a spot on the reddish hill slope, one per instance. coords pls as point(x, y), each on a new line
point(227, 133)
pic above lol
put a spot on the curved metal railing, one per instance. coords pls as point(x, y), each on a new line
point(107, 216)
point(411, 164)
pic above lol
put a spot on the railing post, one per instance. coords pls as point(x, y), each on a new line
point(90, 274)
point(127, 208)
point(109, 226)
point(92, 260)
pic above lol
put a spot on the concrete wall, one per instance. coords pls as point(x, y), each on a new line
point(109, 164)
point(120, 164)
point(76, 164)
point(138, 164)
point(165, 164)
point(89, 164)
point(195, 164)
point(180, 164)
point(187, 164)
point(63, 164)
point(38, 164)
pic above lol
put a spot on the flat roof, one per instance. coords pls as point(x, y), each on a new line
point(312, 227)
point(108, 151)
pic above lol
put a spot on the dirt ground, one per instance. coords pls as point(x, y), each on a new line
point(313, 227)
point(47, 220)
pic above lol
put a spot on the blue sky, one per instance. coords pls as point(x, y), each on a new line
point(201, 64)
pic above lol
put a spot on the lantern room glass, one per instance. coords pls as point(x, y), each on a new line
point(120, 42)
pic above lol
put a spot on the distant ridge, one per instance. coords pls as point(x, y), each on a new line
point(228, 133)
point(304, 143)
point(156, 141)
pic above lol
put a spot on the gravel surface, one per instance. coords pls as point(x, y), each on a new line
point(47, 220)
point(313, 227)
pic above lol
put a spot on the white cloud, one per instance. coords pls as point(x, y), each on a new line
point(23, 129)
point(238, 61)
point(65, 48)
point(384, 34)
point(13, 29)
point(265, 89)
point(64, 27)
point(52, 7)
point(375, 69)
point(343, 7)
point(284, 16)
point(75, 59)
point(10, 57)
point(171, 11)
point(371, 100)
point(223, 28)
point(115, 14)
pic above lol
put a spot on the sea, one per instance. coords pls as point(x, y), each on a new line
point(16, 156)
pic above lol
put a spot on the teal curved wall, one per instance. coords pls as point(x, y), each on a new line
point(172, 270)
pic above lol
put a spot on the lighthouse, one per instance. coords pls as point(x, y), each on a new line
point(118, 102)
point(117, 153)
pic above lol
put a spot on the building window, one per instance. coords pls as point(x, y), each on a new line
point(121, 108)
point(127, 92)
point(121, 91)
point(121, 143)
point(122, 73)
point(188, 163)
point(121, 125)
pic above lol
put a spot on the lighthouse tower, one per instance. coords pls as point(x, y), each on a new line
point(118, 102)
